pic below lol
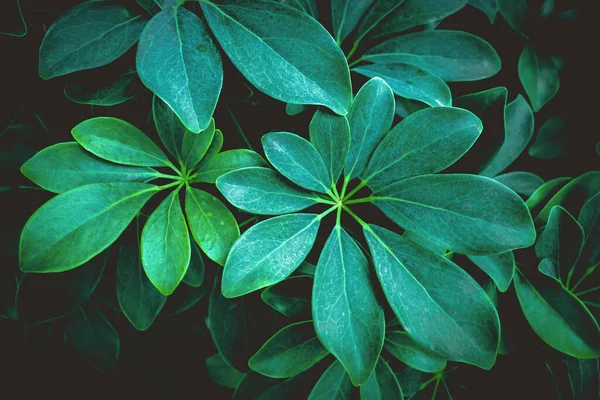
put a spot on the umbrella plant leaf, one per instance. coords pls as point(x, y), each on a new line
point(551, 139)
point(589, 260)
point(499, 267)
point(382, 384)
point(100, 91)
point(539, 77)
point(524, 183)
point(330, 134)
point(221, 372)
point(195, 145)
point(212, 168)
point(488, 7)
point(333, 384)
point(194, 276)
point(345, 16)
point(290, 297)
point(215, 145)
point(544, 193)
point(411, 353)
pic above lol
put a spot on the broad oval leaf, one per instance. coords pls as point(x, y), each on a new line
point(221, 372)
point(551, 140)
point(290, 297)
point(330, 134)
point(460, 325)
point(425, 142)
point(558, 317)
point(118, 141)
point(195, 145)
point(211, 223)
point(450, 210)
point(410, 82)
point(370, 118)
point(99, 90)
point(539, 77)
point(292, 350)
point(453, 56)
point(345, 16)
point(346, 314)
point(544, 193)
point(589, 218)
point(89, 35)
point(282, 51)
point(215, 145)
point(411, 353)
point(488, 7)
point(175, 50)
point(263, 191)
point(210, 169)
point(333, 384)
point(499, 267)
point(74, 226)
point(382, 384)
point(194, 276)
point(268, 253)
point(165, 245)
point(65, 166)
point(524, 183)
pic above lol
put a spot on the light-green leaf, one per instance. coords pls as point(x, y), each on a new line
point(551, 139)
point(210, 169)
point(282, 51)
point(459, 324)
point(215, 145)
point(346, 314)
point(268, 253)
point(290, 351)
point(345, 15)
point(411, 353)
point(330, 134)
point(211, 223)
point(450, 210)
point(524, 183)
point(382, 384)
point(118, 141)
point(174, 55)
point(333, 384)
point(499, 267)
point(425, 142)
point(539, 77)
point(74, 226)
point(263, 191)
point(90, 35)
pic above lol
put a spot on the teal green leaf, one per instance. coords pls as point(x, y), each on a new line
point(370, 118)
point(151, 6)
point(170, 129)
point(292, 58)
point(298, 160)
point(95, 338)
point(215, 145)
point(584, 378)
point(488, 7)
point(551, 140)
point(514, 12)
point(333, 384)
point(378, 11)
point(290, 351)
point(411, 353)
point(544, 193)
point(450, 210)
point(138, 299)
point(548, 268)
point(65, 166)
point(345, 16)
point(210, 169)
point(211, 223)
point(499, 267)
point(118, 141)
point(589, 218)
point(89, 35)
point(221, 372)
point(382, 384)
point(175, 50)
point(290, 297)
point(506, 342)
point(413, 237)
point(460, 325)
point(405, 107)
point(307, 268)
point(294, 109)
point(101, 91)
point(165, 245)
point(411, 380)
point(194, 276)
point(411, 82)
point(518, 132)
point(75, 226)
point(330, 134)
point(195, 145)
point(12, 22)
point(309, 7)
point(414, 146)
point(453, 56)
point(539, 77)
point(346, 314)
point(558, 317)
point(268, 253)
point(524, 183)
point(263, 191)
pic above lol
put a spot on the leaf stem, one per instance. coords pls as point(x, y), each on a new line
point(248, 221)
point(361, 200)
point(344, 187)
point(353, 63)
point(322, 200)
point(335, 191)
point(170, 185)
point(338, 217)
point(590, 290)
point(328, 211)
point(167, 176)
point(174, 168)
point(588, 272)
point(361, 185)
point(356, 217)
point(352, 50)
point(239, 128)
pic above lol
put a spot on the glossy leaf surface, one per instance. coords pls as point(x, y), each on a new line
point(212, 168)
point(499, 267)
point(333, 384)
point(524, 183)
point(539, 77)
point(551, 139)
point(382, 384)
point(330, 134)
point(411, 353)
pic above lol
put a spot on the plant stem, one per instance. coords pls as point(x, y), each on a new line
point(356, 217)
point(338, 217)
point(335, 191)
point(170, 185)
point(248, 221)
point(320, 199)
point(590, 290)
point(588, 272)
point(239, 128)
point(352, 50)
point(328, 211)
point(361, 185)
point(344, 187)
point(361, 200)
point(353, 63)
point(167, 176)
point(174, 168)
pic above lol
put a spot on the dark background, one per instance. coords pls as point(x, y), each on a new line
point(168, 360)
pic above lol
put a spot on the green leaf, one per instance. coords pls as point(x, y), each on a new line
point(411, 381)
point(290, 351)
point(413, 237)
point(551, 139)
point(453, 56)
point(268, 253)
point(210, 169)
point(221, 372)
point(589, 218)
point(345, 16)
point(411, 82)
point(382, 384)
point(450, 211)
point(309, 7)
point(194, 146)
point(330, 134)
point(304, 64)
point(370, 118)
point(263, 191)
point(118, 141)
point(90, 35)
point(215, 145)
point(98, 90)
point(298, 160)
point(194, 276)
point(544, 193)
point(170, 129)
point(539, 77)
point(165, 245)
point(413, 146)
point(294, 109)
point(151, 6)
point(411, 353)
point(499, 267)
point(75, 226)
point(584, 378)
point(12, 22)
point(65, 166)
point(548, 268)
point(460, 324)
point(333, 384)
point(95, 338)
point(558, 317)
point(524, 183)
point(488, 7)
point(290, 297)
point(212, 225)
point(346, 314)
point(506, 344)
point(514, 12)
point(139, 300)
point(376, 13)
point(176, 50)
point(518, 132)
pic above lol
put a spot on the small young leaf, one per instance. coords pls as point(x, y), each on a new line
point(294, 109)
point(551, 139)
point(98, 90)
point(589, 218)
point(544, 193)
point(194, 146)
point(488, 7)
point(333, 384)
point(524, 183)
point(499, 267)
point(194, 276)
point(382, 384)
point(212, 168)
point(221, 372)
point(215, 145)
point(539, 77)
point(548, 268)
point(330, 134)
point(411, 353)
point(290, 297)
point(345, 15)
point(514, 12)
